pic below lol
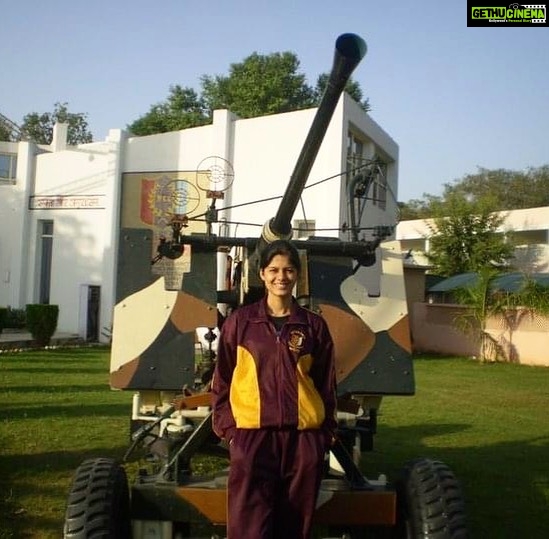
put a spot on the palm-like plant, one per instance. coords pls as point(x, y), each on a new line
point(484, 299)
point(480, 305)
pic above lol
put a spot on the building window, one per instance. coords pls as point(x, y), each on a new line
point(45, 250)
point(8, 166)
point(357, 162)
point(304, 229)
point(355, 155)
point(379, 187)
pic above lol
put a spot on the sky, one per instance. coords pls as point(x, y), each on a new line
point(453, 98)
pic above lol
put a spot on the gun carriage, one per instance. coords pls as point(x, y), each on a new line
point(154, 355)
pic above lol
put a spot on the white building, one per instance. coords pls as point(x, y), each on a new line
point(62, 207)
point(529, 229)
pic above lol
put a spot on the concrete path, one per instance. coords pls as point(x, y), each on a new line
point(10, 339)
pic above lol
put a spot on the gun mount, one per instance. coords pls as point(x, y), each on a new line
point(357, 286)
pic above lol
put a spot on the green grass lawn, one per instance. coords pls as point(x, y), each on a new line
point(56, 409)
point(490, 423)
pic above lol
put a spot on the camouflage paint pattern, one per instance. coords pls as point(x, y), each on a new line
point(370, 331)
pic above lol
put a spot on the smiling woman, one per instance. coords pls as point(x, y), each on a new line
point(279, 269)
point(274, 404)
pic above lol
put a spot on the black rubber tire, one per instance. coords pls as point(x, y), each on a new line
point(98, 504)
point(430, 503)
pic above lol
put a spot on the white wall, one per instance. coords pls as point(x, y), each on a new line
point(387, 148)
point(529, 256)
point(14, 224)
point(82, 251)
point(262, 151)
point(514, 220)
point(265, 153)
point(264, 164)
point(177, 150)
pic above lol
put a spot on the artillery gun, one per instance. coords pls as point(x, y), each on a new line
point(156, 354)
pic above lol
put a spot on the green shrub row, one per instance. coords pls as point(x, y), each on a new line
point(3, 312)
point(39, 319)
point(15, 318)
point(42, 322)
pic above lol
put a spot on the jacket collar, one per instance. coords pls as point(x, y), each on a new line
point(297, 314)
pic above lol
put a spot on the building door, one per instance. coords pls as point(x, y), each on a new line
point(92, 319)
point(88, 325)
point(46, 250)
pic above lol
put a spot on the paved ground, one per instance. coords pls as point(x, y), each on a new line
point(10, 339)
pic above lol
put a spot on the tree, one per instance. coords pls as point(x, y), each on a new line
point(418, 208)
point(259, 85)
point(5, 132)
point(464, 237)
point(39, 127)
point(9, 132)
point(506, 190)
point(183, 108)
point(352, 88)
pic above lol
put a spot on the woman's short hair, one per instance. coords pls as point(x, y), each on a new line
point(279, 247)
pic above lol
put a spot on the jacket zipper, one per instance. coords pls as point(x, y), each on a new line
point(279, 377)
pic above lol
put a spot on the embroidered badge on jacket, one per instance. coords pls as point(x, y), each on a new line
point(296, 340)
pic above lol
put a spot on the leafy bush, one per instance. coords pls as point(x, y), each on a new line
point(15, 318)
point(3, 312)
point(42, 322)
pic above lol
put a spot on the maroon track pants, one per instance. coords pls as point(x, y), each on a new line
point(273, 483)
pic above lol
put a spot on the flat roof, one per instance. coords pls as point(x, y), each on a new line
point(508, 282)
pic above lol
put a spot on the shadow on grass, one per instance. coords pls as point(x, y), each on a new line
point(506, 485)
point(54, 461)
point(56, 370)
point(59, 389)
point(18, 520)
point(64, 411)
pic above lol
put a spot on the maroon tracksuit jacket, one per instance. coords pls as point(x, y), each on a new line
point(274, 402)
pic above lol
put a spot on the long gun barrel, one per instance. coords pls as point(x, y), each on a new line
point(349, 51)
